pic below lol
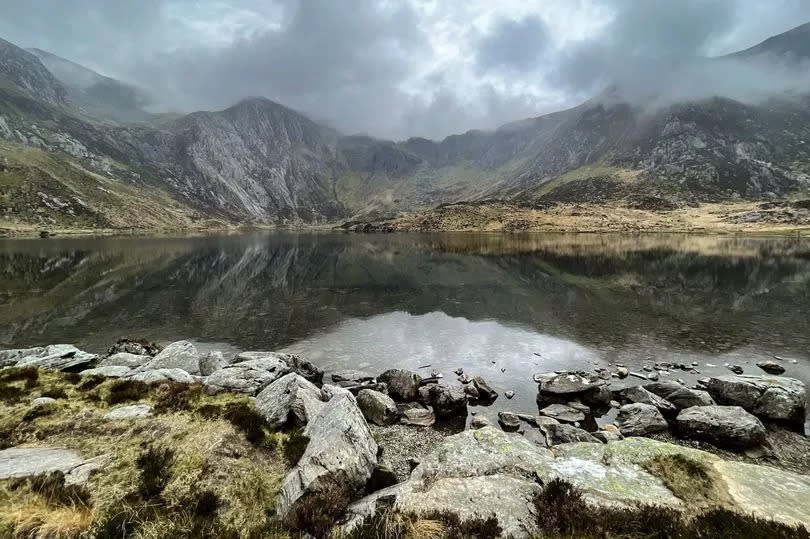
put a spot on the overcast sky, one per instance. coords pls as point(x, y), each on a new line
point(391, 68)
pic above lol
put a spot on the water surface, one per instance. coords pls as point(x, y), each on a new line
point(503, 306)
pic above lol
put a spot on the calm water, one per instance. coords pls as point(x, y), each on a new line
point(503, 306)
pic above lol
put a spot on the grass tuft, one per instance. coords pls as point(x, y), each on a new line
point(154, 464)
point(126, 390)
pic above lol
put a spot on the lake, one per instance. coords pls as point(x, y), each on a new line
point(500, 305)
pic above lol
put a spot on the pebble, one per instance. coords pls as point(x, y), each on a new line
point(653, 376)
point(736, 369)
point(459, 371)
point(509, 394)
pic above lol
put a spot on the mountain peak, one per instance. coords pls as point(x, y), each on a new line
point(790, 46)
point(25, 71)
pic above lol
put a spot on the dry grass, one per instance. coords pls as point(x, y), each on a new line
point(175, 474)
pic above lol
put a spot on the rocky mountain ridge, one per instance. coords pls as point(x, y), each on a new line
point(260, 162)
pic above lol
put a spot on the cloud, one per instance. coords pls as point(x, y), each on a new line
point(408, 67)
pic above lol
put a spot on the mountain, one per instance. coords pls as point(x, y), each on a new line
point(261, 162)
point(96, 95)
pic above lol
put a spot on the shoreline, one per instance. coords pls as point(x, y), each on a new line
point(111, 422)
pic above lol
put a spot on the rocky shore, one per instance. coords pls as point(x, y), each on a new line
point(146, 441)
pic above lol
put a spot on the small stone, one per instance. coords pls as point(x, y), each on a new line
point(459, 371)
point(419, 417)
point(509, 394)
point(771, 367)
point(622, 372)
point(480, 423)
point(653, 376)
point(736, 369)
point(484, 390)
point(129, 412)
point(465, 379)
point(42, 401)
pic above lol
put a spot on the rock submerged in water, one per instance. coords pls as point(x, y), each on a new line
point(640, 419)
point(448, 401)
point(771, 367)
point(484, 390)
point(724, 426)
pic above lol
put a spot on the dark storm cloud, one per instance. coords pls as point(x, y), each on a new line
point(513, 45)
point(392, 68)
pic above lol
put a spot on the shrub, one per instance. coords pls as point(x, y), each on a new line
point(54, 393)
point(90, 382)
point(294, 446)
point(316, 513)
point(176, 396)
point(11, 394)
point(246, 418)
point(72, 377)
point(154, 464)
point(17, 374)
point(126, 390)
point(52, 488)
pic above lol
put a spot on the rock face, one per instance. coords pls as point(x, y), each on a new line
point(403, 386)
point(640, 419)
point(212, 362)
point(178, 355)
point(377, 407)
point(341, 453)
point(62, 357)
point(290, 400)
point(248, 377)
point(725, 426)
point(774, 398)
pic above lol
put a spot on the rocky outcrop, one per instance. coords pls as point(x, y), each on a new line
point(341, 454)
point(247, 376)
point(724, 426)
point(61, 357)
point(292, 400)
point(377, 407)
point(774, 398)
point(178, 355)
point(640, 419)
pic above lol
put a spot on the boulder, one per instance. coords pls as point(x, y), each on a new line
point(509, 421)
point(290, 400)
point(564, 434)
point(485, 391)
point(564, 413)
point(377, 407)
point(125, 359)
point(42, 401)
point(640, 419)
point(212, 362)
point(129, 412)
point(471, 391)
point(771, 367)
point(248, 377)
point(638, 394)
point(607, 436)
point(111, 371)
point(723, 426)
point(341, 452)
point(775, 398)
point(162, 375)
point(178, 355)
point(480, 423)
point(61, 357)
point(570, 384)
point(30, 461)
point(417, 416)
point(686, 398)
point(448, 401)
point(664, 388)
point(11, 357)
point(403, 386)
point(294, 362)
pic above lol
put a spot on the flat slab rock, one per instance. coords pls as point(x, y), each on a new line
point(496, 470)
point(30, 461)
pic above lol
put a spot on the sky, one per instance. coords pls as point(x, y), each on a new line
point(400, 68)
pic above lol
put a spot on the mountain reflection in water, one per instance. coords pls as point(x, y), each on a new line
point(407, 300)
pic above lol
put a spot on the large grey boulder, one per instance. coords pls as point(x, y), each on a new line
point(248, 376)
point(162, 375)
point(448, 401)
point(62, 357)
point(403, 386)
point(178, 355)
point(679, 395)
point(294, 362)
point(563, 412)
point(291, 400)
point(125, 359)
point(724, 426)
point(638, 394)
point(377, 407)
point(212, 362)
point(775, 398)
point(639, 419)
point(341, 453)
point(110, 371)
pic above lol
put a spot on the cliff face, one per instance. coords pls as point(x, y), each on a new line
point(260, 162)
